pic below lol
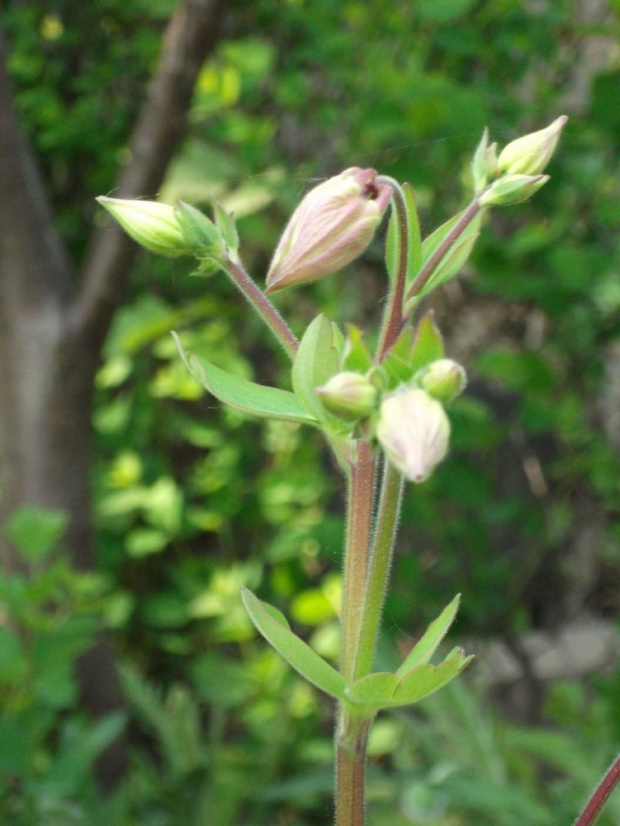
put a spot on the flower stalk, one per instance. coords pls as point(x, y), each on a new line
point(263, 306)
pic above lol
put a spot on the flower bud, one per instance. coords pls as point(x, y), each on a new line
point(151, 224)
point(530, 154)
point(414, 431)
point(512, 189)
point(332, 225)
point(348, 395)
point(484, 162)
point(443, 379)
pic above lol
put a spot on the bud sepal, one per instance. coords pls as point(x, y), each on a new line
point(512, 189)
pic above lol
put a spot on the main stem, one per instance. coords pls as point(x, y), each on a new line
point(352, 731)
point(360, 492)
point(351, 740)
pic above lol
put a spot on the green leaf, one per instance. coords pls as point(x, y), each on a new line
point(316, 361)
point(397, 364)
point(435, 239)
point(427, 645)
point(450, 265)
point(414, 257)
point(36, 532)
point(245, 395)
point(381, 690)
point(426, 679)
point(428, 344)
point(392, 246)
point(373, 690)
point(414, 242)
point(296, 652)
point(355, 354)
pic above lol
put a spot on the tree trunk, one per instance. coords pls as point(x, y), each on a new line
point(51, 336)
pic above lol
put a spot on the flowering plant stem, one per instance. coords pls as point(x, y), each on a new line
point(368, 547)
point(467, 216)
point(257, 299)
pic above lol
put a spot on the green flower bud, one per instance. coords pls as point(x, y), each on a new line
point(348, 395)
point(512, 189)
point(443, 379)
point(414, 432)
point(484, 162)
point(151, 224)
point(332, 225)
point(530, 154)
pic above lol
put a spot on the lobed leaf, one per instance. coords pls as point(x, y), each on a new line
point(424, 649)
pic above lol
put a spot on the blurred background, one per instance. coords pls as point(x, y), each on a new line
point(133, 689)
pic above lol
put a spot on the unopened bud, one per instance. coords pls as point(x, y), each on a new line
point(414, 432)
point(512, 189)
point(348, 395)
point(530, 154)
point(332, 225)
point(151, 224)
point(443, 379)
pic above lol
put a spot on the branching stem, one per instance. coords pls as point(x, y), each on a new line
point(262, 305)
point(433, 262)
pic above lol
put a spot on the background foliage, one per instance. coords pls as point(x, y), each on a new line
point(193, 500)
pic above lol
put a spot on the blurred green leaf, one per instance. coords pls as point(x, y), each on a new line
point(35, 532)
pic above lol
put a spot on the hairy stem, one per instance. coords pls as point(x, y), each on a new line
point(379, 567)
point(610, 780)
point(262, 305)
point(351, 733)
point(359, 520)
point(351, 741)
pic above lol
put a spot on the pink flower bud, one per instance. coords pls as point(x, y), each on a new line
point(332, 225)
point(414, 432)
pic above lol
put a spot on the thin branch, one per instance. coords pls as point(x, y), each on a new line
point(162, 124)
point(599, 797)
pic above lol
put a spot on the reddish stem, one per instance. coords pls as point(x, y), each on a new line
point(600, 795)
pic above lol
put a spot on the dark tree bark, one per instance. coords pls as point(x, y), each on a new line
point(51, 331)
